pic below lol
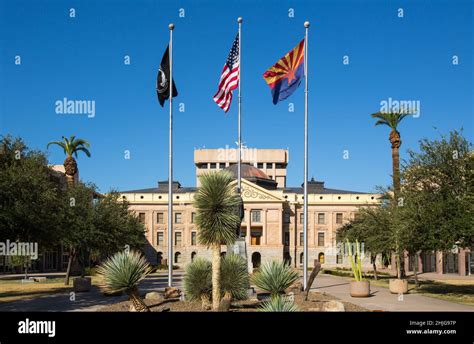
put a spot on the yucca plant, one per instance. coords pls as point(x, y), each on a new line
point(278, 304)
point(274, 277)
point(123, 272)
point(198, 281)
point(234, 277)
point(215, 203)
point(356, 262)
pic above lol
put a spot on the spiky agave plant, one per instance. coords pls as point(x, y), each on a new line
point(278, 304)
point(198, 281)
point(123, 272)
point(234, 277)
point(274, 277)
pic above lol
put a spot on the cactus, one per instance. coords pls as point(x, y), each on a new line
point(355, 265)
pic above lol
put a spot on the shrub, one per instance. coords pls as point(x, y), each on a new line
point(274, 277)
point(123, 272)
point(197, 281)
point(234, 277)
point(278, 304)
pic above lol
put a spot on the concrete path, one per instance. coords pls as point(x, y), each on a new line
point(90, 301)
point(382, 300)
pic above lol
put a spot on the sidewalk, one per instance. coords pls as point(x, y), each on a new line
point(382, 300)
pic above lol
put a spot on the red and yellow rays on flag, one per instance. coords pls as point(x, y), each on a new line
point(289, 68)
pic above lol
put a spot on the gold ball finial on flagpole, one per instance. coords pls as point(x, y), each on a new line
point(171, 26)
point(239, 20)
point(306, 24)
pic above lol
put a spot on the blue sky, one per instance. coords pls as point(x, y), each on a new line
point(82, 58)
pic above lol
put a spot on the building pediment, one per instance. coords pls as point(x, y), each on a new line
point(253, 193)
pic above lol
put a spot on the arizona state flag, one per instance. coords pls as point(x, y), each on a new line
point(285, 76)
point(163, 79)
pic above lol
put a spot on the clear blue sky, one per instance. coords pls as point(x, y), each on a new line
point(80, 58)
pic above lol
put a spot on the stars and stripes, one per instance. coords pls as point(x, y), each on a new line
point(229, 78)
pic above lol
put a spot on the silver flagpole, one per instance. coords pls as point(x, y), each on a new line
point(170, 167)
point(239, 20)
point(305, 221)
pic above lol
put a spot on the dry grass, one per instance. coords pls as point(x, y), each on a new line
point(14, 290)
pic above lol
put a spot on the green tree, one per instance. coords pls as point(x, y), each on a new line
point(71, 147)
point(215, 203)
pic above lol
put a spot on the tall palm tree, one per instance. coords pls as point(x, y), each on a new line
point(71, 146)
point(215, 203)
point(392, 120)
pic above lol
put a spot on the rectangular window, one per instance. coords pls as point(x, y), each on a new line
point(141, 217)
point(177, 218)
point(259, 164)
point(287, 239)
point(301, 239)
point(280, 165)
point(256, 216)
point(160, 218)
point(255, 237)
point(301, 218)
point(320, 239)
point(221, 165)
point(339, 218)
point(202, 166)
point(321, 219)
point(177, 238)
point(339, 259)
point(213, 165)
point(193, 238)
point(269, 165)
point(193, 217)
point(286, 217)
point(160, 238)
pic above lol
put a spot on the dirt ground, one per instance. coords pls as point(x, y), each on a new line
point(175, 305)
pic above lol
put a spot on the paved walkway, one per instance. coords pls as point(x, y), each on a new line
point(382, 300)
point(90, 301)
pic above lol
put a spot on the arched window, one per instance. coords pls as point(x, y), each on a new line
point(193, 255)
point(301, 258)
point(159, 258)
point(321, 258)
point(256, 260)
point(177, 257)
point(223, 254)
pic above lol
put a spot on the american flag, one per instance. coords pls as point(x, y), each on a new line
point(229, 78)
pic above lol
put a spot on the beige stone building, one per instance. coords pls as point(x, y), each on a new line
point(272, 225)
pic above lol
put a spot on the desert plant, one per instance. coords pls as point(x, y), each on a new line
point(198, 281)
point(278, 304)
point(356, 262)
point(274, 277)
point(215, 203)
point(234, 277)
point(123, 272)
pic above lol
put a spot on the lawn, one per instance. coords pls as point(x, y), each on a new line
point(459, 291)
point(14, 290)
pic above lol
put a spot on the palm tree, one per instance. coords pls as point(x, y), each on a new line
point(215, 203)
point(392, 120)
point(123, 272)
point(71, 146)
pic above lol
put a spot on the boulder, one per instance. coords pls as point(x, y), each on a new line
point(333, 306)
point(80, 284)
point(172, 293)
point(154, 295)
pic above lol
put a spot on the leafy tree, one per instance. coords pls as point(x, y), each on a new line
point(215, 203)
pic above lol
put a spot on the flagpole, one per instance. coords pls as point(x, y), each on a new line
point(239, 20)
point(170, 166)
point(305, 216)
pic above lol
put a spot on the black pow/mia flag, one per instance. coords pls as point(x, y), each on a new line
point(163, 79)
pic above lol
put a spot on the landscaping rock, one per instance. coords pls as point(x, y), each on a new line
point(333, 306)
point(172, 293)
point(80, 284)
point(154, 295)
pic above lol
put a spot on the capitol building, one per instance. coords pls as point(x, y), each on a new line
point(273, 221)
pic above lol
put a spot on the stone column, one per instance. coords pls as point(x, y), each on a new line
point(264, 229)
